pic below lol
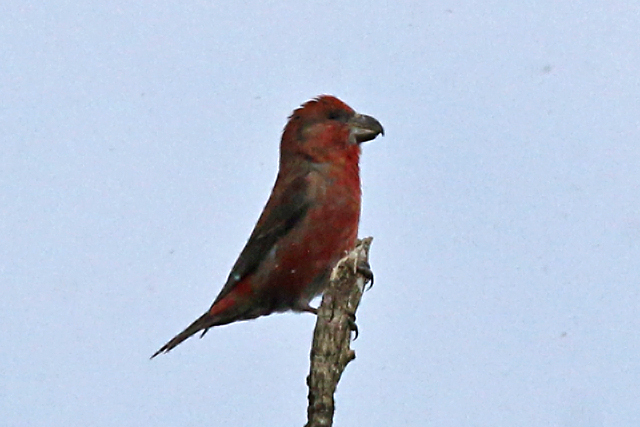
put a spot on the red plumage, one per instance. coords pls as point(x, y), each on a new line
point(309, 222)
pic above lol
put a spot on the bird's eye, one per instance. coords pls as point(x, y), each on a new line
point(335, 115)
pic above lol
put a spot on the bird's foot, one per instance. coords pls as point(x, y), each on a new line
point(352, 325)
point(364, 268)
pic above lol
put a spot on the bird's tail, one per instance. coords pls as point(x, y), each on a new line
point(203, 322)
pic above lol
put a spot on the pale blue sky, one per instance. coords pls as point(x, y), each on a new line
point(140, 145)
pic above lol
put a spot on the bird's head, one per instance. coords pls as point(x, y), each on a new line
point(324, 128)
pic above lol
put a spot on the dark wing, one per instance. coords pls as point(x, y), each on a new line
point(283, 211)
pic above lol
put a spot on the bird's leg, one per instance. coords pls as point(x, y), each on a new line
point(305, 307)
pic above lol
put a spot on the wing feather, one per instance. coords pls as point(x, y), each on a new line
point(284, 210)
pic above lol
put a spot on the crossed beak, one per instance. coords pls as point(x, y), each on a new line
point(364, 128)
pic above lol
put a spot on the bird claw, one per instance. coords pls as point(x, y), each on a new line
point(352, 325)
point(364, 268)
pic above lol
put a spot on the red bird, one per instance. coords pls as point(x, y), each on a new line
point(310, 220)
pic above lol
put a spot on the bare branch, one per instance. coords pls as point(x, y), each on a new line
point(330, 351)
